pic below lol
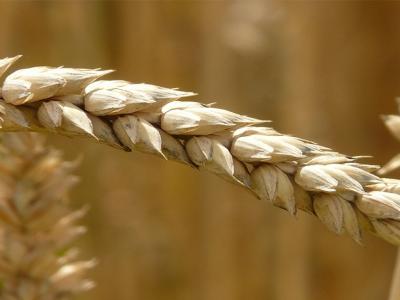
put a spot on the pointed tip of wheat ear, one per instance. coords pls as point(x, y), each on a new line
point(10, 60)
point(288, 172)
point(5, 63)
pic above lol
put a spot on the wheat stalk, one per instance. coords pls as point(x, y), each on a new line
point(392, 122)
point(289, 172)
point(36, 224)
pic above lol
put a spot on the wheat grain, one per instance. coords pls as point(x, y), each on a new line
point(36, 224)
point(289, 172)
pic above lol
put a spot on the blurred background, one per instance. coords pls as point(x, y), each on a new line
point(324, 71)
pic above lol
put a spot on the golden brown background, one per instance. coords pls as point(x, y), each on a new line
point(321, 70)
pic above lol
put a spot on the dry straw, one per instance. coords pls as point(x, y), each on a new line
point(289, 172)
point(36, 225)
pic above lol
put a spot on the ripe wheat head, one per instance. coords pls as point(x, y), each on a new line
point(289, 172)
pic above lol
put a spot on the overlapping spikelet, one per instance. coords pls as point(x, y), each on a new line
point(289, 172)
point(36, 225)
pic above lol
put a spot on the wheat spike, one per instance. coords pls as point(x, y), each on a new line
point(289, 172)
point(36, 225)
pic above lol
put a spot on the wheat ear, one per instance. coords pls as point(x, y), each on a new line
point(289, 172)
point(36, 224)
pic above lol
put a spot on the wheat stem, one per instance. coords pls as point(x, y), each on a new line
point(395, 286)
point(288, 172)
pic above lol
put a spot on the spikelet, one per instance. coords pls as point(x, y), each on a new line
point(273, 149)
point(337, 214)
point(173, 149)
point(211, 155)
point(314, 178)
point(126, 97)
point(13, 119)
point(138, 134)
point(202, 121)
point(38, 83)
point(271, 184)
point(36, 225)
point(68, 119)
point(380, 205)
point(334, 177)
point(329, 211)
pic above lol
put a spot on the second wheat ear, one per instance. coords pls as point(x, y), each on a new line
point(289, 172)
point(37, 225)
